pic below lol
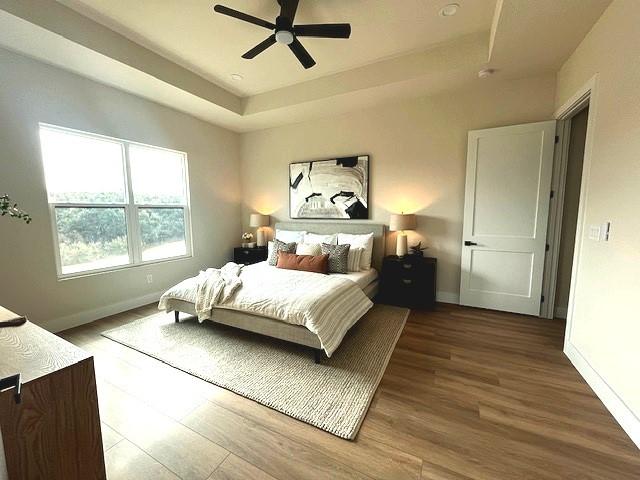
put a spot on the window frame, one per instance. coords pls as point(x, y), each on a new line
point(131, 209)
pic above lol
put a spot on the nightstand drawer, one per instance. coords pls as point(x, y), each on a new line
point(248, 256)
point(408, 281)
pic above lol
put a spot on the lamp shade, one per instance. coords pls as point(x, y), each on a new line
point(401, 221)
point(258, 220)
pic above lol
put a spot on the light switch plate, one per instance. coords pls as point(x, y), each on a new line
point(604, 232)
point(594, 233)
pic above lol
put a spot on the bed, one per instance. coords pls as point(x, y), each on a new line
point(265, 324)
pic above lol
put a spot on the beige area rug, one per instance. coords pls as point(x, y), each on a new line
point(333, 395)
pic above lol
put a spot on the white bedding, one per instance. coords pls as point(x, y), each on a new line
point(328, 305)
point(362, 278)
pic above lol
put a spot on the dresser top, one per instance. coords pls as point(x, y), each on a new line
point(32, 351)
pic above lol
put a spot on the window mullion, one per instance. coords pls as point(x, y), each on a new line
point(135, 247)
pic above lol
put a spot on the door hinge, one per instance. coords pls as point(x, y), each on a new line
point(542, 299)
point(557, 139)
point(552, 194)
point(546, 247)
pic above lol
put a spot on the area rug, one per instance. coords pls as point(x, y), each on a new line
point(333, 395)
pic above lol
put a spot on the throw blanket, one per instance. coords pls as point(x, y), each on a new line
point(212, 287)
point(327, 305)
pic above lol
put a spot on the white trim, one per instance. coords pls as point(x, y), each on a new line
point(588, 90)
point(629, 422)
point(556, 210)
point(448, 297)
point(87, 316)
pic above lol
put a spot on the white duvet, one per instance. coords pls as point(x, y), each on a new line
point(327, 305)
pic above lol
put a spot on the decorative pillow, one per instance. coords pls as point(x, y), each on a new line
point(338, 256)
point(315, 238)
point(359, 241)
point(353, 259)
point(278, 247)
point(308, 249)
point(305, 263)
point(290, 236)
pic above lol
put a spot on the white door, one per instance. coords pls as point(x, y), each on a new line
point(505, 216)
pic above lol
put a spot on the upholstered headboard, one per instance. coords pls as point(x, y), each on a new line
point(325, 228)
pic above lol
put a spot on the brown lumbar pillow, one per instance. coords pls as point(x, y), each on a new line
point(306, 263)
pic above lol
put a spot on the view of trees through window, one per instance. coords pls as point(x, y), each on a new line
point(99, 223)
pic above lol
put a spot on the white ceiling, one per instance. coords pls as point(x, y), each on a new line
point(189, 33)
point(181, 53)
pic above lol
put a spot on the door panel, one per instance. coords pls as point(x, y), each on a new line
point(505, 218)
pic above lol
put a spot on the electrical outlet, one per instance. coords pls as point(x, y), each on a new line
point(149, 278)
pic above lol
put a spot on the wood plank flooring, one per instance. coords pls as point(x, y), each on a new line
point(468, 394)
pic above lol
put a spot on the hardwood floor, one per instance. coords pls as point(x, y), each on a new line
point(468, 394)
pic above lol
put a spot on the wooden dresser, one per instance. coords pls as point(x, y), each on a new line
point(54, 432)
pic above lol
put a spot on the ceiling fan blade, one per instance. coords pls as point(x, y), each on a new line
point(324, 30)
point(243, 16)
point(288, 8)
point(299, 51)
point(261, 47)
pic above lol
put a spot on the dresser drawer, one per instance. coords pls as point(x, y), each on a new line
point(248, 256)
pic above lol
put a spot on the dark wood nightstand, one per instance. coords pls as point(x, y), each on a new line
point(248, 256)
point(409, 281)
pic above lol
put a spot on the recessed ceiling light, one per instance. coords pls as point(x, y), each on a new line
point(237, 77)
point(449, 10)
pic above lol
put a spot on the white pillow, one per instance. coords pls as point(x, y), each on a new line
point(291, 236)
point(319, 239)
point(353, 259)
point(308, 249)
point(364, 241)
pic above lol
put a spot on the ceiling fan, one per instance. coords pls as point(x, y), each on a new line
point(285, 32)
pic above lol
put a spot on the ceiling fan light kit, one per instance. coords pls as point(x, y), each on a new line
point(286, 33)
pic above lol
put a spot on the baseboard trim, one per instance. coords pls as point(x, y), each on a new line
point(448, 297)
point(63, 323)
point(629, 422)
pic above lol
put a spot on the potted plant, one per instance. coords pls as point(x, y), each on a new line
point(247, 243)
point(6, 208)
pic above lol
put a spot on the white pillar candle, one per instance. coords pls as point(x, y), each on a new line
point(260, 237)
point(401, 244)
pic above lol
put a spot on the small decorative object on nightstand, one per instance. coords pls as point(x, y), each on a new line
point(247, 256)
point(409, 281)
point(246, 240)
point(399, 223)
point(258, 221)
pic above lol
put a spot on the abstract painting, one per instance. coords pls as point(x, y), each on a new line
point(336, 188)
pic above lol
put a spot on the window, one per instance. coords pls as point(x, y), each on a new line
point(113, 203)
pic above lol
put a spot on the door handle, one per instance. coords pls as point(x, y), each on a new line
point(467, 243)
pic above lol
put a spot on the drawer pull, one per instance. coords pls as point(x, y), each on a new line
point(407, 281)
point(12, 382)
point(246, 252)
point(407, 265)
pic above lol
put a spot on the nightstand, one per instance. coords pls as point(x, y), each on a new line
point(409, 281)
point(247, 256)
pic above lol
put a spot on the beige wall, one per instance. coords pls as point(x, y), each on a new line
point(32, 92)
point(418, 158)
point(606, 325)
point(570, 210)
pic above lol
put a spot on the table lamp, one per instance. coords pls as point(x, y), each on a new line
point(399, 223)
point(258, 221)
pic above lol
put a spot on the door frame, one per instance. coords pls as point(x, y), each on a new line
point(585, 95)
point(556, 207)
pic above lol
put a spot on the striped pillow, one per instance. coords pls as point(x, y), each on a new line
point(338, 256)
point(279, 246)
point(354, 258)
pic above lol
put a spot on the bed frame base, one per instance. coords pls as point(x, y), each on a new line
point(318, 353)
